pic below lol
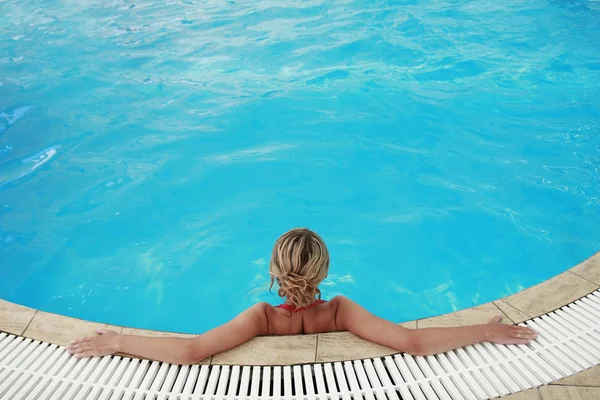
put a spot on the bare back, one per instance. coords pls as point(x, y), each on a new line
point(317, 319)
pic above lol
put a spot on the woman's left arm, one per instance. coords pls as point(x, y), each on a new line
point(250, 323)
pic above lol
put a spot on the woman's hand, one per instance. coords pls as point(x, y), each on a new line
point(508, 334)
point(106, 343)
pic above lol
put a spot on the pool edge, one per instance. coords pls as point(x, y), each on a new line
point(540, 299)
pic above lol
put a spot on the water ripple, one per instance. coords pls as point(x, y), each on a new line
point(151, 152)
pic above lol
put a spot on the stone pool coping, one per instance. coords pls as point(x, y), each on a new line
point(340, 346)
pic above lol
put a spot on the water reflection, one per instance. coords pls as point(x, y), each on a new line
point(14, 170)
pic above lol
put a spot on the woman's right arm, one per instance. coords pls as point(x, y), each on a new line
point(250, 323)
point(420, 342)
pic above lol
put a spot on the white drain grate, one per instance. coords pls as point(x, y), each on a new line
point(569, 342)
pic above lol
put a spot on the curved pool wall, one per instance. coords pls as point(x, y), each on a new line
point(151, 153)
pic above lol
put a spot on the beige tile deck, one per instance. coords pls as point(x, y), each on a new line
point(62, 330)
point(569, 393)
point(552, 294)
point(409, 324)
point(343, 346)
point(470, 316)
point(271, 350)
point(589, 377)
point(515, 315)
point(14, 318)
point(531, 394)
point(589, 269)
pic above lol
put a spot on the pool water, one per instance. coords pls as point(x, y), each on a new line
point(151, 152)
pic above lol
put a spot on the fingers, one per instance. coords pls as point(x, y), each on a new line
point(79, 348)
point(81, 345)
point(496, 319)
point(524, 332)
point(90, 338)
point(513, 334)
point(85, 354)
point(85, 350)
point(82, 340)
point(92, 346)
point(522, 335)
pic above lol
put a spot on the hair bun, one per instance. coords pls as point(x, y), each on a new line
point(298, 291)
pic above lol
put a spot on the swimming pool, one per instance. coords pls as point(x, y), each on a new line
point(151, 152)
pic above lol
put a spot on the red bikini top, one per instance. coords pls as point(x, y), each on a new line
point(291, 308)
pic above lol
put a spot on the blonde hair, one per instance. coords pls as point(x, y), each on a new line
point(299, 262)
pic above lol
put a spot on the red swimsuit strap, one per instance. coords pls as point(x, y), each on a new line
point(291, 308)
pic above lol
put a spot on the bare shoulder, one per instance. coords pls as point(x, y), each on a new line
point(262, 306)
point(258, 314)
point(339, 300)
point(261, 309)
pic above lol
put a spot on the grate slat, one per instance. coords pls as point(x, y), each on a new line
point(298, 380)
point(277, 382)
point(190, 381)
point(181, 379)
point(331, 381)
point(488, 372)
point(455, 386)
point(509, 384)
point(245, 381)
point(351, 376)
point(591, 303)
point(167, 385)
point(201, 381)
point(363, 381)
point(24, 359)
point(546, 340)
point(149, 378)
point(223, 380)
point(377, 381)
point(308, 380)
point(456, 364)
point(443, 388)
point(266, 379)
point(256, 382)
point(590, 311)
point(342, 381)
point(83, 376)
point(287, 382)
point(426, 385)
point(556, 367)
point(568, 319)
point(5, 339)
point(124, 371)
point(579, 354)
point(319, 379)
point(213, 380)
point(234, 381)
point(62, 370)
point(28, 380)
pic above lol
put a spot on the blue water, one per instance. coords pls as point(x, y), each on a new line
point(151, 152)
